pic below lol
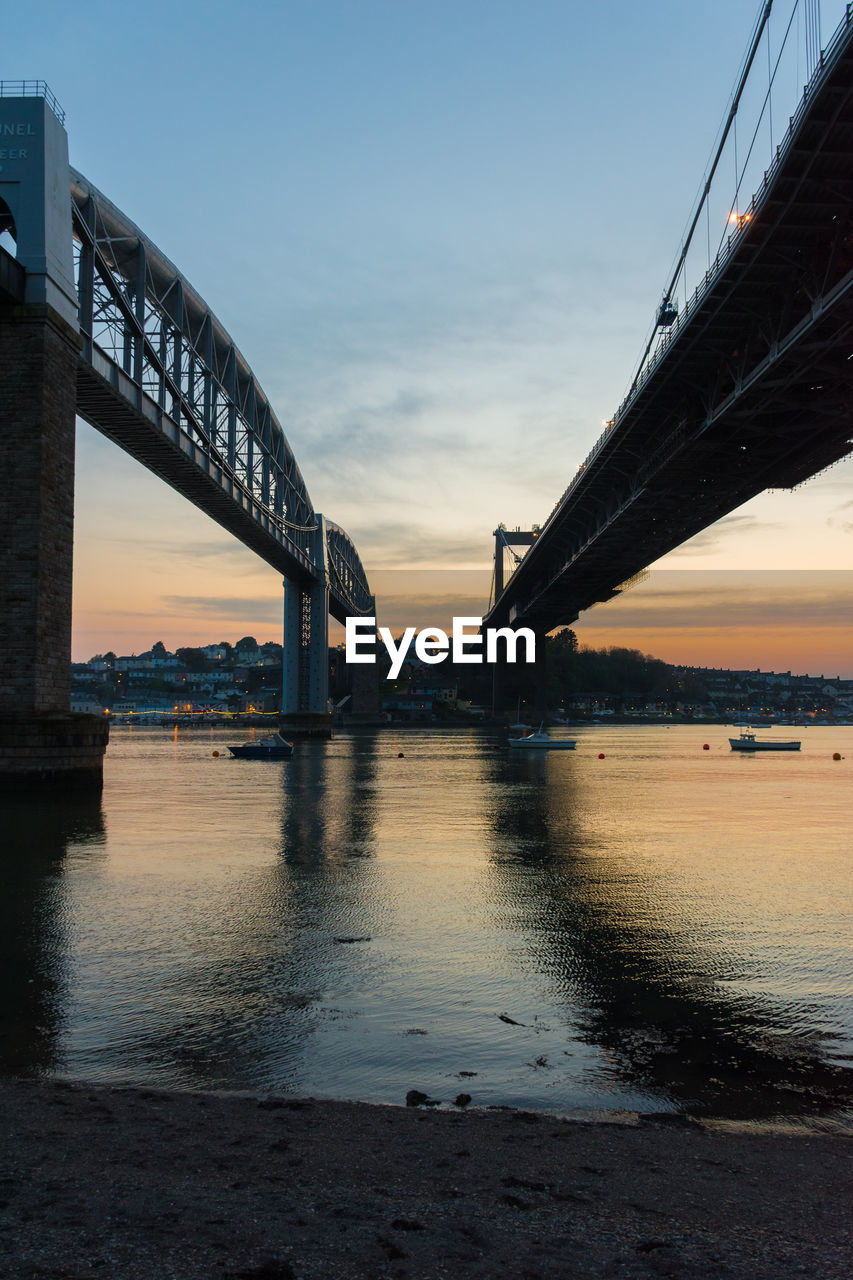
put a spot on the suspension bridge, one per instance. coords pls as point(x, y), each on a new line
point(745, 382)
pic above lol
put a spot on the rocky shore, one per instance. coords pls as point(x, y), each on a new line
point(126, 1183)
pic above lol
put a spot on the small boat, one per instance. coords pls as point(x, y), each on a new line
point(539, 741)
point(748, 742)
point(273, 748)
point(519, 727)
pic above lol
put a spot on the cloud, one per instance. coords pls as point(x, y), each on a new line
point(723, 600)
point(198, 549)
point(775, 619)
point(846, 525)
point(709, 539)
point(424, 409)
point(398, 612)
point(224, 608)
point(395, 543)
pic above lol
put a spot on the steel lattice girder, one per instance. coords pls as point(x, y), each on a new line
point(161, 376)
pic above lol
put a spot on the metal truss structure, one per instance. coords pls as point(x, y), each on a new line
point(346, 575)
point(161, 377)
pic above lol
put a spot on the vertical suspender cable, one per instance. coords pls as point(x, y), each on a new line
point(708, 229)
point(769, 92)
point(733, 208)
point(753, 49)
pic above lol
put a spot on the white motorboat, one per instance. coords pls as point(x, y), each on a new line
point(539, 741)
point(748, 742)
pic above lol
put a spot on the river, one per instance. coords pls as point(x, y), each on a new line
point(665, 929)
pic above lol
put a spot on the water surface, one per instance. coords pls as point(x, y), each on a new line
point(664, 929)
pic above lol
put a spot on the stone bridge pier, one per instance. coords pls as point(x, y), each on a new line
point(41, 742)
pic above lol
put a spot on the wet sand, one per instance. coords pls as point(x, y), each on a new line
point(100, 1182)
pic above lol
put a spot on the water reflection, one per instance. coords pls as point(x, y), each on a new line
point(328, 806)
point(239, 1005)
point(634, 974)
point(34, 926)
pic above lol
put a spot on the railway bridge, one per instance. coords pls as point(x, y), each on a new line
point(95, 320)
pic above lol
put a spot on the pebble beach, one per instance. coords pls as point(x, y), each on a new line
point(149, 1185)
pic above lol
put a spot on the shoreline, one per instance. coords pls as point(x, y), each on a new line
point(150, 1184)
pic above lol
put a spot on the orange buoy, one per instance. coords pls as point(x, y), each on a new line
point(836, 755)
point(216, 753)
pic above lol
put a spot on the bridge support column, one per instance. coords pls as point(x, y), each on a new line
point(41, 742)
point(305, 709)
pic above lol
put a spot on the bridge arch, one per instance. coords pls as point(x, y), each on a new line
point(151, 337)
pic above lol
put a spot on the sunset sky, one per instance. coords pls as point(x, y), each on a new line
point(438, 232)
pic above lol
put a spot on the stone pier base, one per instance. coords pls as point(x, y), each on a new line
point(52, 749)
point(303, 725)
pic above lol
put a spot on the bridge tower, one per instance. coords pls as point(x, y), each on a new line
point(305, 706)
point(305, 661)
point(41, 742)
point(507, 540)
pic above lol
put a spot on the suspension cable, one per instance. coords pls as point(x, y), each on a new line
point(682, 257)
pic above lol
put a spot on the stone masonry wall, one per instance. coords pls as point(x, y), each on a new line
point(38, 372)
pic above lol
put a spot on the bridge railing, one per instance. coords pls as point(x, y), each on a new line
point(32, 89)
point(828, 58)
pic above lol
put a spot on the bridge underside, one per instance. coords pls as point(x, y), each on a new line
point(752, 392)
point(155, 439)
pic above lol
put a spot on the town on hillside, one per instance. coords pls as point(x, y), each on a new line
point(221, 681)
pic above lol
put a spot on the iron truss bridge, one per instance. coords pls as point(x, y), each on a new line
point(751, 388)
point(161, 377)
